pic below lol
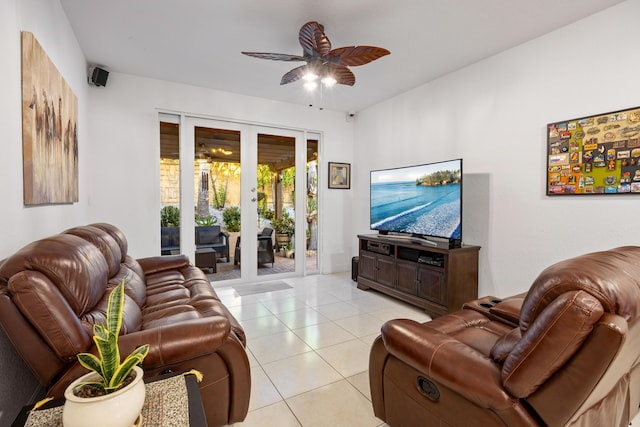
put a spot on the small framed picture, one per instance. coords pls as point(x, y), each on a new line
point(340, 175)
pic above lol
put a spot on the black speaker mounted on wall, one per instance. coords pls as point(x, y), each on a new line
point(99, 77)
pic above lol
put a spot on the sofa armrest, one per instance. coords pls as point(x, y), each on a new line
point(503, 310)
point(178, 342)
point(157, 264)
point(448, 362)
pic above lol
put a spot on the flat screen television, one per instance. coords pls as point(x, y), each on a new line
point(419, 201)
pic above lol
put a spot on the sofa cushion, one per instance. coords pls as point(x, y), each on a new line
point(134, 284)
point(503, 347)
point(131, 315)
point(49, 314)
point(75, 266)
point(553, 338)
point(117, 235)
point(104, 242)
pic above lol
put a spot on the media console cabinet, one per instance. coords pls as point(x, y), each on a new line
point(438, 279)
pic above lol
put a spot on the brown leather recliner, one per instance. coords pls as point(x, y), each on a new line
point(53, 290)
point(567, 353)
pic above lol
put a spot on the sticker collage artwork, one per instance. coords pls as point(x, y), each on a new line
point(595, 155)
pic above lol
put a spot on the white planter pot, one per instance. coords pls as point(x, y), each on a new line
point(118, 409)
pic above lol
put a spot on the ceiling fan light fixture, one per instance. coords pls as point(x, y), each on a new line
point(310, 76)
point(310, 85)
point(331, 65)
point(329, 81)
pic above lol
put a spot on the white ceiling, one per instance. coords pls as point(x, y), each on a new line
point(198, 42)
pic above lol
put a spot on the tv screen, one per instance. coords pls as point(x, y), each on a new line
point(423, 200)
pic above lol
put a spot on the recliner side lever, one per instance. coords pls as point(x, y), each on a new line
point(428, 388)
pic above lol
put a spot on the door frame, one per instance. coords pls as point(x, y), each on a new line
point(248, 154)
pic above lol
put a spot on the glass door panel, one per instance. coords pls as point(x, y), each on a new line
point(311, 205)
point(169, 185)
point(276, 203)
point(217, 190)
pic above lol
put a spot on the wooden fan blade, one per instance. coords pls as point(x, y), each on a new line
point(351, 56)
point(343, 75)
point(275, 56)
point(293, 75)
point(313, 40)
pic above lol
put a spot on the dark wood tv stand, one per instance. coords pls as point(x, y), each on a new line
point(440, 282)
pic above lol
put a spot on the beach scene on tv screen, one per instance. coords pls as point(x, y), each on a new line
point(423, 200)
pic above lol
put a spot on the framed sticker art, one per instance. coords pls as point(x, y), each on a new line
point(595, 154)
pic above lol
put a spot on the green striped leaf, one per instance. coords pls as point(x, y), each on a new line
point(107, 363)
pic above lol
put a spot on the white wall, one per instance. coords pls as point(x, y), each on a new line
point(493, 114)
point(119, 154)
point(118, 141)
point(47, 21)
point(123, 129)
point(20, 225)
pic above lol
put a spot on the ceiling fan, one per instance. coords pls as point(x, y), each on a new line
point(321, 61)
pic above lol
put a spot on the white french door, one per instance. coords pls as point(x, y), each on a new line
point(224, 171)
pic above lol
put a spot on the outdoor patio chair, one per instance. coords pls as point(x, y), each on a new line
point(266, 253)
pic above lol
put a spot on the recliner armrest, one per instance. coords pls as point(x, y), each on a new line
point(177, 342)
point(448, 362)
point(156, 264)
point(505, 310)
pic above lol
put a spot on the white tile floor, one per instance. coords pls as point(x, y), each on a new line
point(309, 350)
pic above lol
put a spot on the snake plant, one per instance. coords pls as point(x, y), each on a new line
point(107, 364)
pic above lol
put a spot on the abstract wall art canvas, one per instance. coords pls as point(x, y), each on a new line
point(49, 129)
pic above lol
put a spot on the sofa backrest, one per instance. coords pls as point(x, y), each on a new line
point(60, 286)
point(109, 248)
point(613, 277)
point(117, 235)
point(578, 323)
point(53, 282)
point(112, 243)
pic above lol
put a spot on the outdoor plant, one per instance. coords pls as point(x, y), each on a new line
point(231, 217)
point(268, 214)
point(170, 216)
point(219, 197)
point(107, 364)
point(284, 225)
point(205, 220)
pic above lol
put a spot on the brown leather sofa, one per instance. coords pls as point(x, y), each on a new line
point(566, 353)
point(53, 290)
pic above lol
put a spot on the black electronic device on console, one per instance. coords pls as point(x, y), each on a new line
point(381, 248)
point(437, 260)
